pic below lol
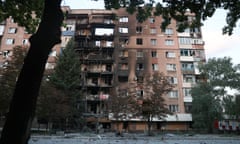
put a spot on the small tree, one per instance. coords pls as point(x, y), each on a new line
point(206, 106)
point(9, 77)
point(231, 106)
point(122, 104)
point(219, 74)
point(237, 103)
point(155, 87)
point(66, 78)
point(53, 106)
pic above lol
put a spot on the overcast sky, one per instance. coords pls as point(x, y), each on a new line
point(216, 44)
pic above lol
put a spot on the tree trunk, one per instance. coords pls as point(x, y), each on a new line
point(149, 126)
point(22, 108)
point(149, 122)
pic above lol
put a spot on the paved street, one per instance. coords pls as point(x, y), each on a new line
point(134, 139)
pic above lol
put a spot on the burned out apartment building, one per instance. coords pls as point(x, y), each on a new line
point(115, 49)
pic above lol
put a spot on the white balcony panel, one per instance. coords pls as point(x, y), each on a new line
point(184, 34)
point(184, 46)
point(187, 85)
point(187, 99)
point(187, 58)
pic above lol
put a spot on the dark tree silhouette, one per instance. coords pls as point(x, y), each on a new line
point(22, 108)
point(65, 77)
point(9, 75)
point(53, 106)
point(122, 103)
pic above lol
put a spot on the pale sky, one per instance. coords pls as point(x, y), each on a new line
point(216, 44)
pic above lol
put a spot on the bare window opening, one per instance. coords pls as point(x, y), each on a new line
point(139, 41)
point(138, 29)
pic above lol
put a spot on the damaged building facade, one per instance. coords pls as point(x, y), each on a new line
point(115, 49)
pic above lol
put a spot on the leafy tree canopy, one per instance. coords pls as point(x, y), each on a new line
point(155, 88)
point(207, 104)
point(26, 13)
point(65, 78)
point(66, 72)
point(176, 9)
point(153, 102)
point(9, 76)
point(221, 72)
point(231, 106)
point(22, 11)
point(53, 105)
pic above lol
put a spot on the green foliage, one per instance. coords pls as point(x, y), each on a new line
point(53, 105)
point(9, 77)
point(67, 70)
point(66, 78)
point(120, 104)
point(176, 9)
point(232, 106)
point(206, 106)
point(26, 13)
point(153, 103)
point(155, 87)
point(219, 74)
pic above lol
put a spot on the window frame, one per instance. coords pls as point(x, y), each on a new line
point(173, 80)
point(170, 54)
point(155, 67)
point(174, 108)
point(154, 54)
point(12, 30)
point(139, 41)
point(123, 30)
point(168, 31)
point(10, 41)
point(153, 42)
point(153, 30)
point(123, 19)
point(186, 92)
point(169, 42)
point(139, 29)
point(139, 66)
point(171, 67)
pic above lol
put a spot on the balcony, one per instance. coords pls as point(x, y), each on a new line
point(187, 99)
point(188, 71)
point(197, 41)
point(98, 72)
point(97, 97)
point(123, 73)
point(184, 34)
point(187, 85)
point(187, 58)
point(101, 24)
point(95, 85)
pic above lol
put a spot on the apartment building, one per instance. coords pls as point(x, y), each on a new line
point(11, 35)
point(114, 48)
